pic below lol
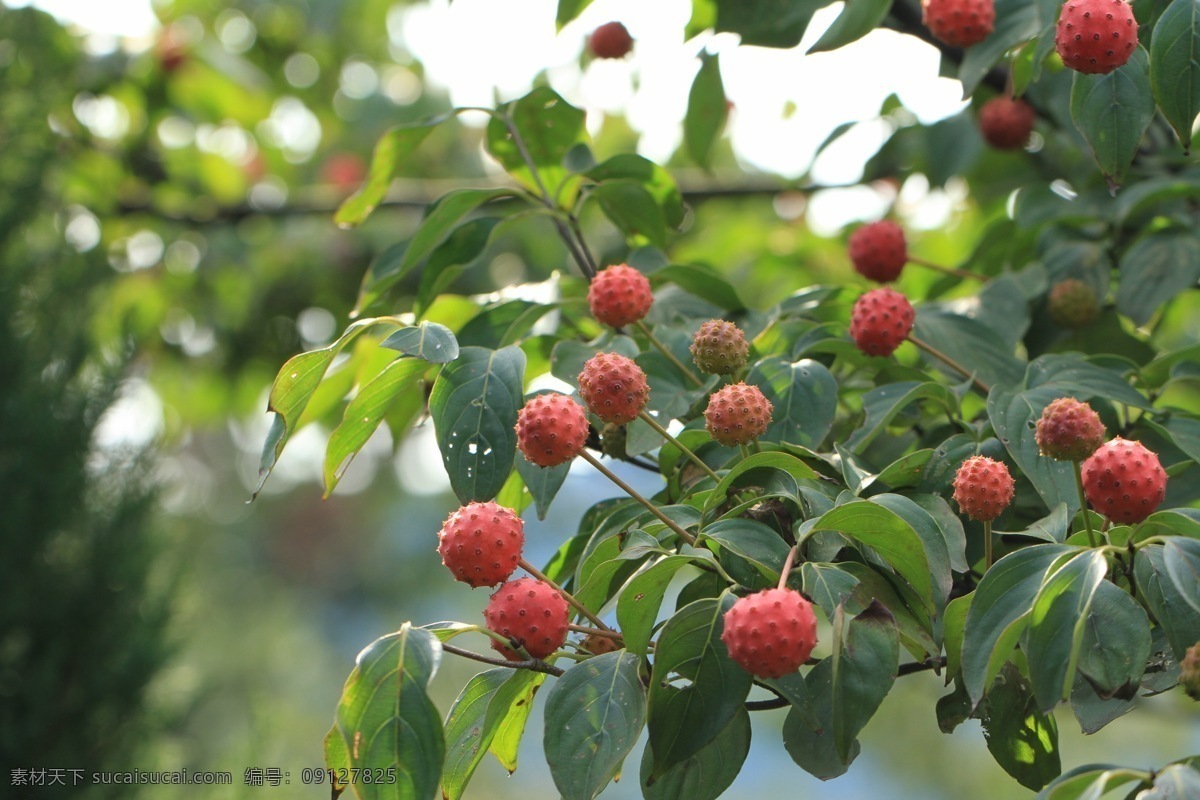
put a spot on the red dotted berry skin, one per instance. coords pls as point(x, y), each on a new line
point(719, 348)
point(959, 23)
point(1124, 481)
point(771, 633)
point(737, 414)
point(881, 321)
point(610, 40)
point(619, 296)
point(879, 251)
point(1069, 430)
point(1095, 36)
point(614, 388)
point(983, 488)
point(529, 612)
point(1006, 123)
point(1073, 304)
point(551, 429)
point(481, 543)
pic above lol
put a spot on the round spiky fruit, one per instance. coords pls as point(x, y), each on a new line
point(1124, 481)
point(1189, 671)
point(610, 40)
point(613, 439)
point(481, 543)
point(959, 23)
point(880, 321)
point(879, 251)
point(770, 633)
point(1095, 36)
point(1006, 123)
point(599, 645)
point(1073, 304)
point(719, 348)
point(983, 488)
point(1069, 430)
point(737, 414)
point(530, 613)
point(551, 429)
point(619, 295)
point(614, 387)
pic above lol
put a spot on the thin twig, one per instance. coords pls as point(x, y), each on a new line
point(695, 459)
point(629, 490)
point(933, 351)
point(1083, 504)
point(960, 273)
point(532, 664)
point(607, 633)
point(662, 348)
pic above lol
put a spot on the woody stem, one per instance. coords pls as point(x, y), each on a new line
point(662, 348)
point(938, 354)
point(1083, 505)
point(961, 273)
point(653, 423)
point(629, 490)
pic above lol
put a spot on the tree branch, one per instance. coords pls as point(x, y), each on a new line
point(532, 664)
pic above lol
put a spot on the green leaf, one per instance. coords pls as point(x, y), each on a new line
point(1174, 782)
point(391, 152)
point(683, 721)
point(641, 599)
point(866, 657)
point(759, 461)
point(512, 707)
point(827, 585)
point(704, 283)
point(569, 10)
point(1000, 612)
point(1113, 111)
point(707, 774)
point(548, 126)
point(1155, 269)
point(474, 406)
point(1182, 559)
point(813, 747)
point(953, 627)
point(765, 23)
point(464, 244)
point(1112, 658)
point(1023, 741)
point(753, 541)
point(1175, 66)
point(968, 341)
point(707, 111)
point(633, 210)
point(1017, 21)
point(1090, 782)
point(502, 324)
point(440, 223)
point(653, 178)
point(428, 340)
point(543, 482)
point(594, 715)
point(858, 18)
point(1057, 623)
point(1171, 604)
point(337, 761)
point(888, 535)
point(883, 403)
point(388, 721)
point(804, 395)
point(467, 735)
point(364, 413)
point(934, 541)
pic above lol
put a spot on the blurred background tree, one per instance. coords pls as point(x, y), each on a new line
point(168, 242)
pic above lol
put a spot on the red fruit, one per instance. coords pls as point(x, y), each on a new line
point(1006, 123)
point(770, 633)
point(599, 645)
point(481, 543)
point(344, 170)
point(529, 612)
point(614, 388)
point(737, 414)
point(1124, 481)
point(879, 251)
point(719, 348)
point(1073, 304)
point(610, 40)
point(172, 48)
point(1069, 430)
point(880, 321)
point(1095, 36)
point(959, 23)
point(1189, 671)
point(983, 488)
point(551, 429)
point(619, 296)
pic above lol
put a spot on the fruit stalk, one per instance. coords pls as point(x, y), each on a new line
point(662, 348)
point(629, 490)
point(1083, 504)
point(570, 598)
point(787, 567)
point(606, 632)
point(532, 664)
point(653, 423)
point(987, 545)
point(933, 351)
point(961, 273)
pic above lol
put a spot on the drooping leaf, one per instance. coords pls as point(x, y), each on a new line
point(594, 715)
point(474, 406)
point(388, 721)
point(653, 178)
point(753, 541)
point(1017, 21)
point(804, 397)
point(1156, 268)
point(467, 735)
point(706, 112)
point(1113, 111)
point(548, 127)
point(511, 708)
point(968, 342)
point(765, 23)
point(633, 210)
point(1175, 66)
point(391, 152)
point(684, 720)
point(1021, 739)
point(1171, 604)
point(812, 747)
point(543, 482)
point(1182, 559)
point(707, 774)
point(639, 602)
point(866, 657)
point(858, 18)
point(569, 10)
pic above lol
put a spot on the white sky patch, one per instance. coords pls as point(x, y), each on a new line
point(131, 18)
